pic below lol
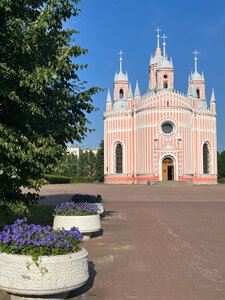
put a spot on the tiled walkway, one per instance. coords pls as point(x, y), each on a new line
point(158, 243)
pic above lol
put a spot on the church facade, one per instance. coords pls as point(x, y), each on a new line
point(162, 135)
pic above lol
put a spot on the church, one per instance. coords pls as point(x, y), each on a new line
point(162, 135)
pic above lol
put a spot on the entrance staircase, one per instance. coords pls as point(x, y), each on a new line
point(171, 183)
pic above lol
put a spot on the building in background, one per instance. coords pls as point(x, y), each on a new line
point(163, 134)
point(74, 149)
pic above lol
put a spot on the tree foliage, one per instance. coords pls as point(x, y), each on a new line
point(87, 165)
point(43, 103)
point(100, 163)
point(221, 164)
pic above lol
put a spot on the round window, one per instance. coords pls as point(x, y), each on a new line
point(167, 127)
point(165, 76)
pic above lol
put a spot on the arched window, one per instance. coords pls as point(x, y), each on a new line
point(121, 93)
point(206, 160)
point(198, 93)
point(165, 84)
point(119, 158)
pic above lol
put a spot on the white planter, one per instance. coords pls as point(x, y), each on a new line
point(85, 224)
point(55, 274)
point(100, 207)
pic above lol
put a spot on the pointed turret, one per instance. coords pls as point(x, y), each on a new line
point(213, 101)
point(197, 80)
point(130, 93)
point(120, 82)
point(108, 102)
point(108, 99)
point(137, 91)
point(213, 98)
point(203, 77)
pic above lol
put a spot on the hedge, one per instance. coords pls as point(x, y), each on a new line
point(80, 180)
point(221, 180)
point(54, 179)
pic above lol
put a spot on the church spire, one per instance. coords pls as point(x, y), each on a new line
point(121, 59)
point(158, 50)
point(196, 59)
point(164, 37)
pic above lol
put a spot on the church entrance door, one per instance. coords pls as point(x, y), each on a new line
point(167, 169)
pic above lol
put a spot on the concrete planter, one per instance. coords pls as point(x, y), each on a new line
point(19, 275)
point(85, 224)
point(100, 207)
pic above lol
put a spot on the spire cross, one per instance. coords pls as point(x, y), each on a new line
point(195, 54)
point(164, 37)
point(158, 36)
point(121, 53)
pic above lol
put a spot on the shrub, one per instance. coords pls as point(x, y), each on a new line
point(75, 209)
point(78, 198)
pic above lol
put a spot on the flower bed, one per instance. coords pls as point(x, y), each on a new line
point(37, 260)
point(95, 200)
point(82, 215)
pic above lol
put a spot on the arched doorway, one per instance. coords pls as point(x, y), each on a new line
point(167, 169)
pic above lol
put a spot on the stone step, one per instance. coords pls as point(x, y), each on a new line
point(172, 182)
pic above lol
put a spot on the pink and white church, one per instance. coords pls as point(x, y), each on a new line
point(163, 134)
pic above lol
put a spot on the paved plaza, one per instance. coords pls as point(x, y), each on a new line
point(157, 242)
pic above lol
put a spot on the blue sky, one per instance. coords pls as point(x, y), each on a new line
point(106, 26)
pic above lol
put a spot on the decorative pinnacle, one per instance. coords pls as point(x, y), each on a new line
point(195, 54)
point(164, 37)
point(213, 98)
point(108, 99)
point(158, 36)
point(121, 53)
point(137, 91)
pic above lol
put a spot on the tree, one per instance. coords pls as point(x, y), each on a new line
point(221, 164)
point(87, 164)
point(100, 163)
point(43, 104)
point(68, 166)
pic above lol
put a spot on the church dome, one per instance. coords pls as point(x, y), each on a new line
point(161, 61)
point(121, 77)
point(196, 76)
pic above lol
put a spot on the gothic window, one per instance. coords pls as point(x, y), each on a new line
point(121, 93)
point(119, 158)
point(206, 159)
point(198, 93)
point(165, 84)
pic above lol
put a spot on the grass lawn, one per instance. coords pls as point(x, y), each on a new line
point(39, 214)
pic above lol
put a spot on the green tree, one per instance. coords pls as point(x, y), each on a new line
point(221, 164)
point(87, 164)
point(100, 163)
point(43, 103)
point(68, 166)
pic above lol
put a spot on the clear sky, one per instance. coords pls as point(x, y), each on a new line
point(107, 26)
